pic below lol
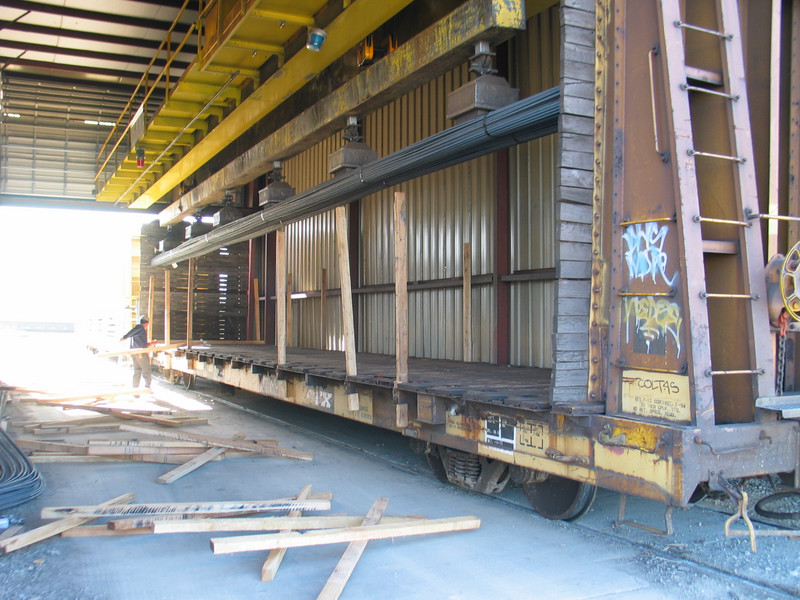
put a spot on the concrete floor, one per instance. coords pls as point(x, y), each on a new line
point(514, 555)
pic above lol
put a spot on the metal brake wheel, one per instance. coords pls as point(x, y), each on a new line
point(790, 282)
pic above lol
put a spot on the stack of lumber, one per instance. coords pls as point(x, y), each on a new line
point(291, 531)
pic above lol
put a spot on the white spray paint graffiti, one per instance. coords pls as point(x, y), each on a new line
point(644, 252)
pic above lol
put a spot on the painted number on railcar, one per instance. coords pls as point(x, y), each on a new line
point(656, 395)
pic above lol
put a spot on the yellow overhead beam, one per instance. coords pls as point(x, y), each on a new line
point(283, 16)
point(357, 21)
point(255, 45)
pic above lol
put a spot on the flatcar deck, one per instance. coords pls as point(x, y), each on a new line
point(522, 387)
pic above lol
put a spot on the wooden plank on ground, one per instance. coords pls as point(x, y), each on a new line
point(185, 508)
point(45, 531)
point(68, 399)
point(288, 523)
point(10, 532)
point(293, 539)
point(338, 579)
point(103, 531)
point(190, 465)
point(162, 459)
point(275, 557)
point(69, 423)
point(128, 414)
point(51, 446)
point(221, 442)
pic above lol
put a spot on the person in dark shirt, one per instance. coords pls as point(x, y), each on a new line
point(141, 362)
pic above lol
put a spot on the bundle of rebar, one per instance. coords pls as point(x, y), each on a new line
point(522, 121)
point(19, 481)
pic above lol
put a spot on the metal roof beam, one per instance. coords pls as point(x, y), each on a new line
point(87, 36)
point(91, 15)
point(52, 66)
point(90, 54)
point(39, 81)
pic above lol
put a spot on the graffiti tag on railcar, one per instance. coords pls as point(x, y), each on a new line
point(644, 252)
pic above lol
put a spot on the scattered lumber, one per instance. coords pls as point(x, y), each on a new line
point(94, 396)
point(76, 429)
point(221, 442)
point(162, 459)
point(45, 531)
point(184, 508)
point(294, 539)
point(275, 557)
point(51, 446)
point(338, 579)
point(103, 531)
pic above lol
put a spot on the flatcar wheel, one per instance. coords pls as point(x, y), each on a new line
point(436, 464)
point(560, 498)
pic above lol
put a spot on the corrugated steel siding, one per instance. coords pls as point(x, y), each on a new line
point(533, 192)
point(445, 210)
point(311, 247)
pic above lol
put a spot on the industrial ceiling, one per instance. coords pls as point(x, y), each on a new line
point(200, 73)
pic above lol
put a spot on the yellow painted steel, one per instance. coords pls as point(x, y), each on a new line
point(283, 16)
point(356, 22)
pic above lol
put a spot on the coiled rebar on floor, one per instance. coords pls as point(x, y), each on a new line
point(19, 481)
point(516, 123)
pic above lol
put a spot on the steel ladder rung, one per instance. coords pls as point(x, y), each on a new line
point(720, 34)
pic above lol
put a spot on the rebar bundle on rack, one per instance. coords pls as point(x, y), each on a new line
point(522, 121)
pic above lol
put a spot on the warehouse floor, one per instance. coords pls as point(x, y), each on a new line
point(514, 555)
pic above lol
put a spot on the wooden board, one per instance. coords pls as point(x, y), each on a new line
point(338, 579)
point(275, 557)
point(45, 531)
point(221, 442)
point(250, 543)
point(190, 465)
point(186, 508)
point(288, 523)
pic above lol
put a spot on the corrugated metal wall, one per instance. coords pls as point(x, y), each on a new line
point(533, 192)
point(310, 248)
point(445, 210)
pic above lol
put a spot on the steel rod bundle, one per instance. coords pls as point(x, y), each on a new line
point(516, 123)
point(19, 481)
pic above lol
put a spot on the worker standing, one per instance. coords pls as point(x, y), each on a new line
point(141, 362)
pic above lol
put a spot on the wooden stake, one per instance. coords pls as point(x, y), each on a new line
point(280, 293)
point(323, 311)
point(338, 579)
point(167, 306)
point(400, 288)
point(348, 326)
point(288, 309)
point(466, 302)
point(191, 465)
point(45, 531)
point(256, 310)
point(151, 299)
point(190, 303)
point(293, 539)
point(275, 557)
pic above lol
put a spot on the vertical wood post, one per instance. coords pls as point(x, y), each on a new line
point(280, 293)
point(151, 300)
point(794, 132)
point(167, 306)
point(190, 303)
point(400, 288)
point(466, 302)
point(348, 326)
point(323, 314)
point(288, 309)
point(256, 311)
